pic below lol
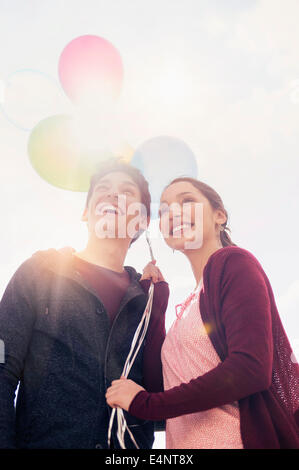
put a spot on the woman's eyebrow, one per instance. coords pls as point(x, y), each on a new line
point(178, 195)
point(183, 194)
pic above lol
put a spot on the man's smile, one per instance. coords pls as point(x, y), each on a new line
point(104, 208)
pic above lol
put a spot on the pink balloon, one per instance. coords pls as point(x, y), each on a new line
point(90, 70)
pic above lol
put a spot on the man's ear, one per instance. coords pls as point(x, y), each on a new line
point(84, 217)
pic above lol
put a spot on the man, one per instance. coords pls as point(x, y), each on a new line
point(67, 321)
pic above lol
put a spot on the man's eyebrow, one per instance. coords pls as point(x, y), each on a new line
point(123, 182)
point(102, 181)
point(130, 182)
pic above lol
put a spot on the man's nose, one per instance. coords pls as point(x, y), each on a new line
point(113, 195)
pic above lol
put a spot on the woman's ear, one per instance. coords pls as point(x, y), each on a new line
point(84, 217)
point(220, 217)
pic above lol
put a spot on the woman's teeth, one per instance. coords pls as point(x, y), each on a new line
point(181, 227)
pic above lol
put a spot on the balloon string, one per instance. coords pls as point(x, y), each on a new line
point(121, 422)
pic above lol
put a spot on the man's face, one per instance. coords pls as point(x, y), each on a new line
point(115, 209)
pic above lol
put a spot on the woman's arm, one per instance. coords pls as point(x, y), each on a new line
point(247, 369)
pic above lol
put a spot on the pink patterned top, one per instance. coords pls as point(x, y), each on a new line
point(188, 353)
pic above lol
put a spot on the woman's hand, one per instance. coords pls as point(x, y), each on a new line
point(122, 392)
point(152, 272)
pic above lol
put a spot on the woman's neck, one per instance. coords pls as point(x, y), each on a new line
point(199, 258)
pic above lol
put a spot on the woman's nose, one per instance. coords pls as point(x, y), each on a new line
point(176, 216)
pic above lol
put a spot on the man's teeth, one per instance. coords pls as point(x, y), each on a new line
point(180, 227)
point(107, 209)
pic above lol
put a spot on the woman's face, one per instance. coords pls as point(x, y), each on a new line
point(187, 219)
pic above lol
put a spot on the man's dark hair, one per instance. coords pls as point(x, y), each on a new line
point(117, 164)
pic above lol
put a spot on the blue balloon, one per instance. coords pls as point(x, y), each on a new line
point(161, 159)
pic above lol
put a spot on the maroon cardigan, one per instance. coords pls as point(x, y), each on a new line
point(238, 307)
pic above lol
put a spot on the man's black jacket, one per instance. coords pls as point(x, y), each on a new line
point(61, 349)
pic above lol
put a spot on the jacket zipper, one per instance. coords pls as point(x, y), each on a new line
point(82, 283)
point(110, 334)
point(107, 349)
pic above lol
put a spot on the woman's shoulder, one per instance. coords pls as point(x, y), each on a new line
point(232, 252)
point(233, 268)
point(233, 259)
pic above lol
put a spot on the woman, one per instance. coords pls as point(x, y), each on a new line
point(229, 379)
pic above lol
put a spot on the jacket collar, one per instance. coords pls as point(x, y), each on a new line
point(61, 263)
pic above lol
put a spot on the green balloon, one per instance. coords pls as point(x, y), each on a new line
point(58, 158)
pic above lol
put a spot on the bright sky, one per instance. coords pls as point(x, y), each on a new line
point(222, 76)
